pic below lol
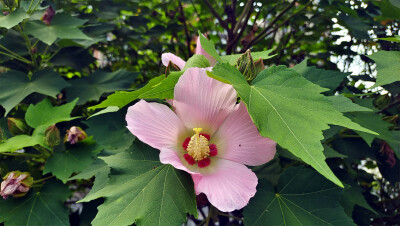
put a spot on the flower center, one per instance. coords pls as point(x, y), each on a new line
point(198, 149)
point(198, 146)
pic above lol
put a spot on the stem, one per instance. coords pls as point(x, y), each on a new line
point(34, 8)
point(43, 179)
point(22, 155)
point(185, 27)
point(15, 55)
point(212, 10)
point(230, 216)
point(28, 45)
point(17, 58)
point(30, 5)
point(210, 214)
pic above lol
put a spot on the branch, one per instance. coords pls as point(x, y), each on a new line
point(185, 27)
point(221, 21)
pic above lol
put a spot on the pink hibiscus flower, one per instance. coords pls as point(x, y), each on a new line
point(207, 135)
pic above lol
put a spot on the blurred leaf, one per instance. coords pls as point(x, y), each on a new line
point(76, 158)
point(45, 114)
point(146, 192)
point(396, 38)
point(331, 153)
point(13, 18)
point(62, 26)
point(15, 86)
point(98, 83)
point(283, 105)
point(45, 207)
point(296, 204)
point(388, 67)
point(74, 57)
point(22, 141)
point(325, 78)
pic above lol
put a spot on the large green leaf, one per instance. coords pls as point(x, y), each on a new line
point(122, 98)
point(388, 67)
point(22, 141)
point(45, 114)
point(97, 167)
point(44, 207)
point(15, 86)
point(13, 18)
point(290, 110)
point(208, 46)
point(344, 104)
point(75, 159)
point(231, 59)
point(98, 83)
point(325, 78)
point(62, 26)
point(144, 191)
point(302, 198)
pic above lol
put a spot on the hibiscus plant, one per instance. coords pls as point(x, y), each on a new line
point(187, 112)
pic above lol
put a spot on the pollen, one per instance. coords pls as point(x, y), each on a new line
point(198, 146)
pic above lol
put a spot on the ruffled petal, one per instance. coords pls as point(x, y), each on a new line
point(154, 124)
point(201, 101)
point(201, 51)
point(169, 156)
point(170, 57)
point(238, 140)
point(229, 187)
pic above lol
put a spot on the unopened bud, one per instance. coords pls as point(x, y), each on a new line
point(75, 134)
point(16, 183)
point(245, 65)
point(5, 13)
point(52, 135)
point(17, 126)
point(48, 15)
point(258, 66)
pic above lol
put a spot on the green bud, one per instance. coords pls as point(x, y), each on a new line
point(52, 135)
point(259, 66)
point(18, 126)
point(245, 65)
point(16, 183)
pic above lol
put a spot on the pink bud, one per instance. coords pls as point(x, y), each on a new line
point(75, 134)
point(48, 15)
point(16, 183)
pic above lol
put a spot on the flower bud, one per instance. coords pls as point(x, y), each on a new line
point(48, 15)
point(52, 135)
point(16, 183)
point(17, 126)
point(245, 65)
point(75, 134)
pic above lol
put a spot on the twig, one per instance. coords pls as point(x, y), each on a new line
point(185, 27)
point(211, 8)
point(43, 179)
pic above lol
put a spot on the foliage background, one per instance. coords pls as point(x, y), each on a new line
point(93, 48)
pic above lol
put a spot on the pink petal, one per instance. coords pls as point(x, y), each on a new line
point(154, 124)
point(229, 187)
point(169, 156)
point(201, 51)
point(169, 57)
point(238, 140)
point(201, 101)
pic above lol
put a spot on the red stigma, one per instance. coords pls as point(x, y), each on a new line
point(213, 150)
point(205, 135)
point(204, 162)
point(189, 159)
point(186, 143)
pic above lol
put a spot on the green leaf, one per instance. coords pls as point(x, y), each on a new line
point(284, 105)
point(44, 207)
point(98, 83)
point(122, 98)
point(144, 191)
point(15, 86)
point(344, 104)
point(13, 18)
point(108, 109)
point(97, 167)
point(396, 38)
point(199, 61)
point(325, 78)
point(231, 59)
point(62, 26)
point(163, 90)
point(75, 159)
point(45, 114)
point(388, 67)
point(331, 153)
point(209, 47)
point(302, 198)
point(22, 141)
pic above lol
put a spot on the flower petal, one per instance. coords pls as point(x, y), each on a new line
point(238, 140)
point(154, 124)
point(170, 57)
point(201, 101)
point(201, 51)
point(169, 156)
point(229, 187)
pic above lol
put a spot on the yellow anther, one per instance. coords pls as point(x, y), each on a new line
point(198, 146)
